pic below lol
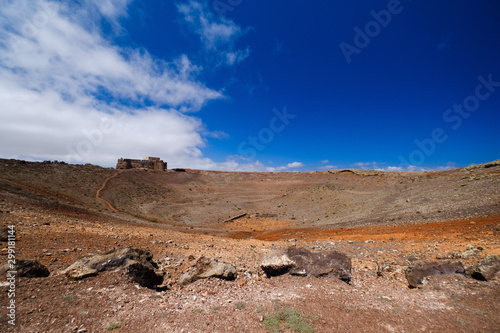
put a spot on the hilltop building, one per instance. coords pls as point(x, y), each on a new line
point(151, 163)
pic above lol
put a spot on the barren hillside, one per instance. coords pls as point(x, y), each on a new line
point(384, 222)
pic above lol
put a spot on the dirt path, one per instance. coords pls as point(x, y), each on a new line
point(98, 192)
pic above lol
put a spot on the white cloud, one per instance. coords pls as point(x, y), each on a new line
point(42, 125)
point(324, 161)
point(217, 33)
point(67, 93)
point(63, 56)
point(112, 9)
point(413, 168)
point(53, 72)
point(410, 168)
point(364, 165)
point(328, 167)
point(237, 57)
point(231, 164)
point(295, 165)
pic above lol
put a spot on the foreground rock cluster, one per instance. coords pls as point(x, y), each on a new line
point(140, 267)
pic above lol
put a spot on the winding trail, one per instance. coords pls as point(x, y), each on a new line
point(98, 193)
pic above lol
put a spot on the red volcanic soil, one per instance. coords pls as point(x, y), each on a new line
point(465, 229)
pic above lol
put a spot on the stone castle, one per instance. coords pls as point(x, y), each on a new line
point(150, 163)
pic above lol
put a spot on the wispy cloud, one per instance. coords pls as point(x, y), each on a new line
point(78, 63)
point(327, 167)
point(294, 165)
point(237, 56)
point(112, 9)
point(365, 165)
point(217, 33)
point(68, 93)
point(279, 48)
point(381, 166)
point(414, 168)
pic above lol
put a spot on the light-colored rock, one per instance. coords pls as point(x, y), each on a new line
point(205, 268)
point(486, 269)
point(78, 271)
point(277, 262)
point(137, 264)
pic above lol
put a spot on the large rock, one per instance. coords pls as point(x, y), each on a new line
point(137, 264)
point(418, 272)
point(206, 268)
point(302, 262)
point(486, 269)
point(26, 268)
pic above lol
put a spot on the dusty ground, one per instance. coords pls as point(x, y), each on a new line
point(391, 219)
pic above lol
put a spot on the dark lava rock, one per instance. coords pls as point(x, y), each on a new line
point(302, 262)
point(26, 268)
point(417, 273)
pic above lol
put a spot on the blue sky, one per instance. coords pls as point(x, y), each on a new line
point(252, 85)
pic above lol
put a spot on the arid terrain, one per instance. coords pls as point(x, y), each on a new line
point(384, 221)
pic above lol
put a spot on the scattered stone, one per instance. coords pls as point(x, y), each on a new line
point(486, 269)
point(234, 218)
point(417, 273)
point(205, 268)
point(4, 234)
point(302, 262)
point(137, 264)
point(469, 253)
point(26, 268)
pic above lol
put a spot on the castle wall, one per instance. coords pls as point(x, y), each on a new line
point(154, 164)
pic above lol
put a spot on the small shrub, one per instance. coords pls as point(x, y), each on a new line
point(113, 326)
point(240, 305)
point(291, 318)
point(260, 308)
point(198, 310)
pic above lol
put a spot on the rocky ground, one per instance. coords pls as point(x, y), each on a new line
point(58, 220)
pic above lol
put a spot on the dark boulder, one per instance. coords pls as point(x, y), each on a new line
point(417, 273)
point(26, 268)
point(302, 262)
